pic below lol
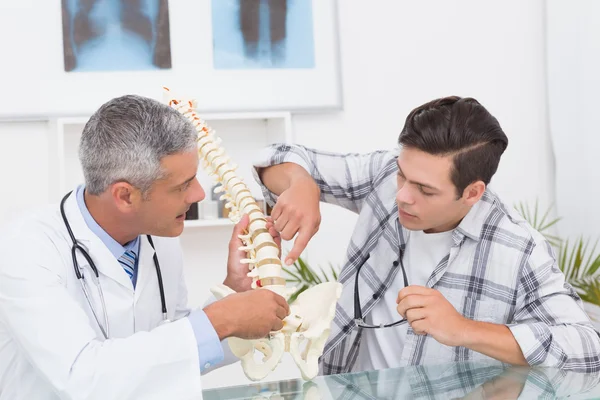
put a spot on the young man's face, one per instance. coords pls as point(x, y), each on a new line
point(163, 212)
point(426, 197)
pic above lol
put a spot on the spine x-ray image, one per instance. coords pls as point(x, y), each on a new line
point(251, 26)
point(262, 34)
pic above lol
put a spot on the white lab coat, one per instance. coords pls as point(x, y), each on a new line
point(50, 344)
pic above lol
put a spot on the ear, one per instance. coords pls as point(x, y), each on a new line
point(473, 192)
point(125, 196)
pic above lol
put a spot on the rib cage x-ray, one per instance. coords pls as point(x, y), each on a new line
point(113, 35)
point(262, 34)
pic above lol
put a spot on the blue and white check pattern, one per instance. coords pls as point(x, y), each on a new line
point(499, 269)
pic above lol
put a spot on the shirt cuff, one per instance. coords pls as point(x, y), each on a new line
point(530, 337)
point(210, 350)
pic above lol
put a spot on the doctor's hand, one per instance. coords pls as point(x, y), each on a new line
point(249, 315)
point(237, 273)
point(428, 312)
point(297, 212)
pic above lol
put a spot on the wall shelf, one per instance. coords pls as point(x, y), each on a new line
point(207, 223)
point(243, 136)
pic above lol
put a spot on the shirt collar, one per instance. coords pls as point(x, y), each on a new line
point(113, 246)
point(472, 224)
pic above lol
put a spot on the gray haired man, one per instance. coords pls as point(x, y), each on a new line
point(93, 302)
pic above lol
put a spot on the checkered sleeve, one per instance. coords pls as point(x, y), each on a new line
point(550, 325)
point(344, 179)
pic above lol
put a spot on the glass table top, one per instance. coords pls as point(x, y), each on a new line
point(469, 380)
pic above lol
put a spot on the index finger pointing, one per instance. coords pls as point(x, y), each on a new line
point(299, 245)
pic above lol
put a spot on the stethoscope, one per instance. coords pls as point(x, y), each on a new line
point(96, 277)
point(358, 314)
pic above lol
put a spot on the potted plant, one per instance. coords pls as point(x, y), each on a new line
point(577, 259)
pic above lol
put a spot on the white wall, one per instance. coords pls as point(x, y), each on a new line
point(23, 162)
point(396, 55)
point(574, 84)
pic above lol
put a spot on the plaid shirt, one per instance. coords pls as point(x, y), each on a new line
point(499, 269)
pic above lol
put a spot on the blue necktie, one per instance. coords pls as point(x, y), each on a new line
point(127, 261)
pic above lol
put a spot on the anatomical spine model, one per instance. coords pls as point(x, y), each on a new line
point(307, 327)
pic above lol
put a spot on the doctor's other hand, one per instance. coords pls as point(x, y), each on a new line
point(429, 313)
point(297, 212)
point(248, 315)
point(237, 273)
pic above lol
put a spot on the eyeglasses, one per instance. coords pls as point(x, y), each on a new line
point(358, 316)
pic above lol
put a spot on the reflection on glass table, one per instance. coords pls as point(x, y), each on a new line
point(468, 380)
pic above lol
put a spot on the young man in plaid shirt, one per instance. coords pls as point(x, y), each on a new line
point(444, 270)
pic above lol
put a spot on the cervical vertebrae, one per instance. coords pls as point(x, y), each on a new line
point(312, 312)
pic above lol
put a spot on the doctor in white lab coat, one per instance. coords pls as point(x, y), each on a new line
point(139, 160)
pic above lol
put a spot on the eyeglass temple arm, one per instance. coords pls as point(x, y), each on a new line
point(357, 308)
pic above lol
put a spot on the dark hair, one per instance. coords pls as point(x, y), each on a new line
point(458, 127)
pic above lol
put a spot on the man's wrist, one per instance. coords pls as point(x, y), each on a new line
point(493, 340)
point(236, 286)
point(469, 334)
point(229, 283)
point(475, 334)
point(219, 320)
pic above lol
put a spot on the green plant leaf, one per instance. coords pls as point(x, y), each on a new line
point(301, 268)
point(539, 222)
point(589, 268)
point(333, 272)
point(311, 277)
point(554, 241)
point(305, 277)
point(571, 265)
point(562, 259)
point(324, 274)
point(547, 226)
point(588, 289)
point(593, 267)
point(543, 223)
point(578, 259)
point(290, 273)
point(297, 293)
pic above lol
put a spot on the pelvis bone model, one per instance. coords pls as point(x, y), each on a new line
point(307, 327)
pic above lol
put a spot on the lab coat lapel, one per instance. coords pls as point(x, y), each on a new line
point(146, 273)
point(105, 261)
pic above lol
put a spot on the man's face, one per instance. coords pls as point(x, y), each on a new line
point(426, 197)
point(162, 213)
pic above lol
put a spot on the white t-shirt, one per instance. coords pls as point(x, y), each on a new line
point(381, 348)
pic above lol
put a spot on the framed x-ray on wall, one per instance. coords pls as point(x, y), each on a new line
point(230, 55)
